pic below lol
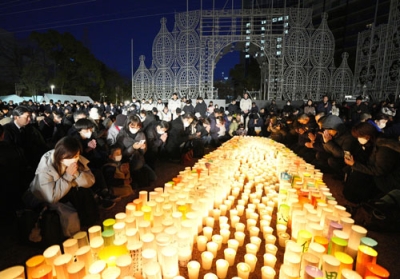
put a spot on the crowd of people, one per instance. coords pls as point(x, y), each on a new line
point(78, 156)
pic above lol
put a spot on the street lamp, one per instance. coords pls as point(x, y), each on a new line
point(52, 87)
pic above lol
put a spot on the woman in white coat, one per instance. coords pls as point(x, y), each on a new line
point(62, 181)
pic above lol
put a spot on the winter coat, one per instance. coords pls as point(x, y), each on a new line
point(49, 186)
point(342, 141)
point(125, 140)
point(383, 164)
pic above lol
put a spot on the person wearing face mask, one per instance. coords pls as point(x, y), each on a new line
point(97, 158)
point(116, 173)
point(156, 135)
point(379, 174)
point(63, 182)
point(178, 134)
point(133, 143)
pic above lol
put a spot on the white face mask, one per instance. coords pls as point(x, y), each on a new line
point(362, 141)
point(160, 132)
point(118, 158)
point(133, 130)
point(381, 125)
point(68, 162)
point(87, 135)
point(186, 124)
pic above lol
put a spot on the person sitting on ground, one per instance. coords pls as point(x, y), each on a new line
point(116, 173)
point(380, 174)
point(156, 136)
point(97, 158)
point(132, 141)
point(336, 140)
point(63, 181)
point(309, 108)
point(178, 134)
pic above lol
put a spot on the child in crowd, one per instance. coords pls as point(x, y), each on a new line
point(117, 175)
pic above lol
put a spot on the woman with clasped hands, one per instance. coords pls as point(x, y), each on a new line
point(63, 180)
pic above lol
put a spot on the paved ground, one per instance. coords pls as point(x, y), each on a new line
point(13, 253)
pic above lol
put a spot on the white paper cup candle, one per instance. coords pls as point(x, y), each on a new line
point(201, 243)
point(193, 269)
point(269, 260)
point(243, 270)
point(267, 272)
point(239, 236)
point(230, 255)
point(207, 231)
point(240, 227)
point(271, 249)
point(251, 260)
point(233, 243)
point(222, 268)
point(206, 260)
point(213, 248)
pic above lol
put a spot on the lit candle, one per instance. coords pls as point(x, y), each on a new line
point(283, 237)
point(270, 239)
point(94, 231)
point(210, 276)
point(124, 263)
point(225, 233)
point(207, 231)
point(271, 249)
point(222, 268)
point(240, 209)
point(201, 243)
point(251, 248)
point(233, 243)
point(304, 239)
point(33, 263)
point(234, 220)
point(217, 239)
point(84, 254)
point(70, 246)
point(50, 254)
point(206, 260)
point(223, 208)
point(111, 273)
point(239, 227)
point(13, 272)
point(210, 222)
point(267, 272)
point(76, 270)
point(251, 260)
point(239, 236)
point(269, 260)
point(365, 255)
point(61, 264)
point(213, 248)
point(43, 271)
point(230, 255)
point(243, 270)
point(330, 265)
point(193, 269)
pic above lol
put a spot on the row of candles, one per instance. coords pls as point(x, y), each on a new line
point(221, 208)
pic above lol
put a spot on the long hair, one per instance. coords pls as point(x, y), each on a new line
point(66, 148)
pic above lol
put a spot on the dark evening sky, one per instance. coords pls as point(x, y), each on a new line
point(106, 26)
